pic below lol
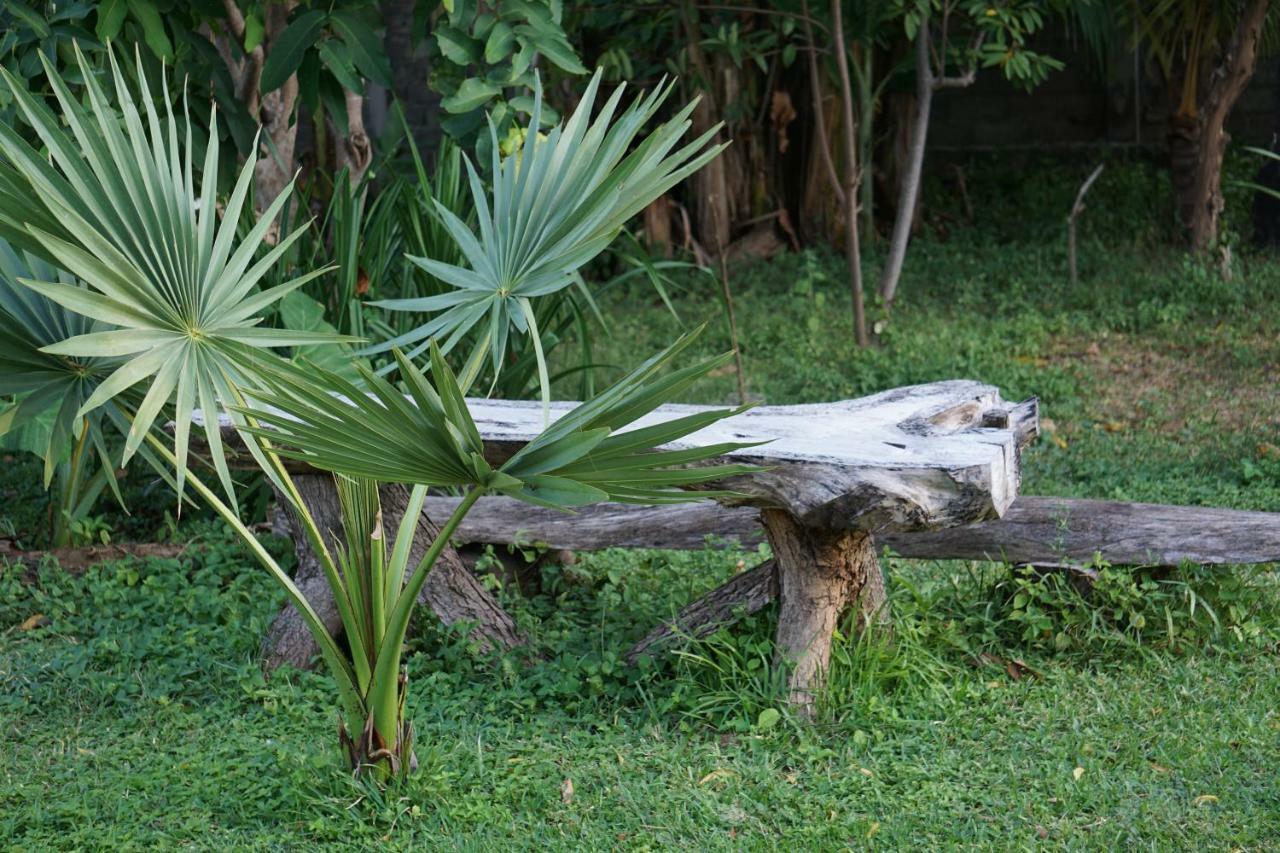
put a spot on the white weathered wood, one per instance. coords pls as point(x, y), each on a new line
point(916, 458)
point(923, 457)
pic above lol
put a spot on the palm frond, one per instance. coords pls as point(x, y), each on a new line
point(43, 385)
point(430, 439)
point(116, 204)
point(556, 203)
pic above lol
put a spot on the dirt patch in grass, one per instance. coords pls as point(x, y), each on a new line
point(1169, 386)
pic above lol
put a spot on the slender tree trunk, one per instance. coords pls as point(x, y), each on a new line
point(846, 190)
point(274, 110)
point(927, 82)
point(851, 247)
point(1226, 84)
point(909, 187)
point(354, 151)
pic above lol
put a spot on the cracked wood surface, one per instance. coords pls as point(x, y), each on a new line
point(922, 457)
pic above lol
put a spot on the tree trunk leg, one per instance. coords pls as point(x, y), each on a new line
point(451, 591)
point(820, 574)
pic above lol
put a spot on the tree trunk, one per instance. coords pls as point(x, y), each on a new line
point(909, 188)
point(275, 166)
point(820, 574)
point(710, 183)
point(354, 151)
point(852, 250)
point(410, 68)
point(451, 592)
point(1226, 85)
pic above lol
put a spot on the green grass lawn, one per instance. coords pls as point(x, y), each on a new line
point(1006, 712)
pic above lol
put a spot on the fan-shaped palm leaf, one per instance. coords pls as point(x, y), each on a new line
point(556, 204)
point(116, 204)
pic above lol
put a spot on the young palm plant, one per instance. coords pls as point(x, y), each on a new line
point(558, 201)
point(115, 203)
point(48, 391)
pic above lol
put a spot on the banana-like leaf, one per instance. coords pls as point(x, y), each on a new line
point(557, 202)
point(429, 438)
point(115, 203)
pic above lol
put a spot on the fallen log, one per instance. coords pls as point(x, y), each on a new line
point(1033, 530)
point(80, 558)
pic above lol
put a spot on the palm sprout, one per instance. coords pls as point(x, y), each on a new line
point(428, 438)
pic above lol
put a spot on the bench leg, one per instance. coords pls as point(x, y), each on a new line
point(820, 574)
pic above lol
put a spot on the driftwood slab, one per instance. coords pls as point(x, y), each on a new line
point(923, 457)
point(1033, 530)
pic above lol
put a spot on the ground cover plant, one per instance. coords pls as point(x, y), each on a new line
point(1008, 711)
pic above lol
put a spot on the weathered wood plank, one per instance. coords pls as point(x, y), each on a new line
point(743, 594)
point(916, 458)
point(1033, 530)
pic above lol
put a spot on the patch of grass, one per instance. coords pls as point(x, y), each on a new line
point(1002, 711)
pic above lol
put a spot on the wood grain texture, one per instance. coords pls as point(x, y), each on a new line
point(921, 457)
point(820, 574)
point(1033, 530)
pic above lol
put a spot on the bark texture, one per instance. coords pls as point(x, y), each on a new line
point(710, 183)
point(1033, 530)
point(742, 595)
point(451, 592)
point(1226, 84)
point(820, 574)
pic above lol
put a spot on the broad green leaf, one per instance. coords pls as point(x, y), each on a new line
point(254, 30)
point(457, 47)
point(500, 43)
point(287, 52)
point(111, 15)
point(472, 94)
point(336, 56)
point(146, 14)
point(366, 49)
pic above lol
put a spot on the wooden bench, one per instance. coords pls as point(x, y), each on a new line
point(834, 477)
point(1046, 533)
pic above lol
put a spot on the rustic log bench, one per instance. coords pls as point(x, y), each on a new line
point(1040, 533)
point(833, 477)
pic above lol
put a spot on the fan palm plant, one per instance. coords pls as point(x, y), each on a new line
point(558, 201)
point(49, 390)
point(116, 205)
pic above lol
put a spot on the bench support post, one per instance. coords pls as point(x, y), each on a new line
point(820, 574)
